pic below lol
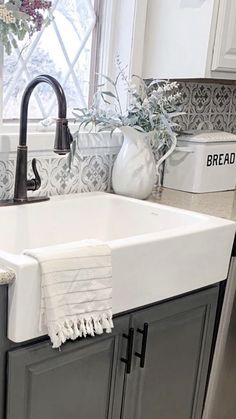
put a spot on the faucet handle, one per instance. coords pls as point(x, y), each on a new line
point(35, 183)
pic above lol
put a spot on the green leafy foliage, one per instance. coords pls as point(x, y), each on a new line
point(152, 107)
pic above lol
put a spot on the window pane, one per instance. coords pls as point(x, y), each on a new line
point(63, 50)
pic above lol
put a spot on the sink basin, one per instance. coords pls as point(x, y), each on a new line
point(157, 251)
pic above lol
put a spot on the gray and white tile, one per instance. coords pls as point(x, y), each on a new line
point(200, 99)
point(199, 121)
point(221, 99)
point(185, 90)
point(219, 121)
point(233, 103)
point(95, 171)
point(63, 180)
point(232, 124)
point(182, 121)
point(7, 177)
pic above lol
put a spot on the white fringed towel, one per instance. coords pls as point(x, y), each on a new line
point(76, 289)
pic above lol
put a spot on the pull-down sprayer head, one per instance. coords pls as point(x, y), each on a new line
point(63, 136)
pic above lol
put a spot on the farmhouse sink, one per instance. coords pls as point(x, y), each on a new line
point(157, 251)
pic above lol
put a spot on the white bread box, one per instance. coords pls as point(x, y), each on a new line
point(204, 161)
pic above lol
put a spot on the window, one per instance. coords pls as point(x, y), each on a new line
point(66, 49)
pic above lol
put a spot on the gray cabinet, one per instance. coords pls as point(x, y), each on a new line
point(88, 380)
point(171, 383)
point(76, 382)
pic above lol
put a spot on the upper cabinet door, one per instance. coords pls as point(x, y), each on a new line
point(177, 38)
point(224, 57)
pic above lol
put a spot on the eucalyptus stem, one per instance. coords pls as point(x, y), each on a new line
point(118, 99)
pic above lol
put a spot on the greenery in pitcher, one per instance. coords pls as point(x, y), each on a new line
point(151, 107)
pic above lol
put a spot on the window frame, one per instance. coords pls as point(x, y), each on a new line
point(11, 126)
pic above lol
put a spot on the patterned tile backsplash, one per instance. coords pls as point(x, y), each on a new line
point(208, 104)
point(91, 169)
point(204, 104)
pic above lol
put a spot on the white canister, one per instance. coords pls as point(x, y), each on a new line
point(205, 161)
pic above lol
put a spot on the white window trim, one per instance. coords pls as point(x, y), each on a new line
point(122, 34)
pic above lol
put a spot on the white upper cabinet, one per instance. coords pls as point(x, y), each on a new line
point(224, 57)
point(190, 39)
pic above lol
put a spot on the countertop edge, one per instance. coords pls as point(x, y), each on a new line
point(7, 276)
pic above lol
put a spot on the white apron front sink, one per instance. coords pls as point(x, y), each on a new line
point(157, 251)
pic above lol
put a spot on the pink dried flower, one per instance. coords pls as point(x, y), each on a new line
point(34, 9)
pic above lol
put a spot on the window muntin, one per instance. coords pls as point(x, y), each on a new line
point(64, 50)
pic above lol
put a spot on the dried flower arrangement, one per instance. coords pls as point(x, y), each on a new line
point(20, 19)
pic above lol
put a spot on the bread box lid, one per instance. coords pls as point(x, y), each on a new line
point(207, 136)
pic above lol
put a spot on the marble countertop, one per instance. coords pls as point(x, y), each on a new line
point(7, 276)
point(219, 204)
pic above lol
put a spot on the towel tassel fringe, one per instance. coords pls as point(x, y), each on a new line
point(80, 327)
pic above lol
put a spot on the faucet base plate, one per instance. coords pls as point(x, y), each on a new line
point(30, 200)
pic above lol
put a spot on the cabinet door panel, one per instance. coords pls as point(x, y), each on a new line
point(171, 384)
point(224, 57)
point(77, 382)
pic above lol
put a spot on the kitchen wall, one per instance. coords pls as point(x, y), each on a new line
point(203, 102)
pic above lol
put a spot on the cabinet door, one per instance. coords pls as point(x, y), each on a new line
point(171, 384)
point(224, 56)
point(84, 380)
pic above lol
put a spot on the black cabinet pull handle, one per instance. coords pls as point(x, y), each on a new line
point(129, 352)
point(141, 355)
